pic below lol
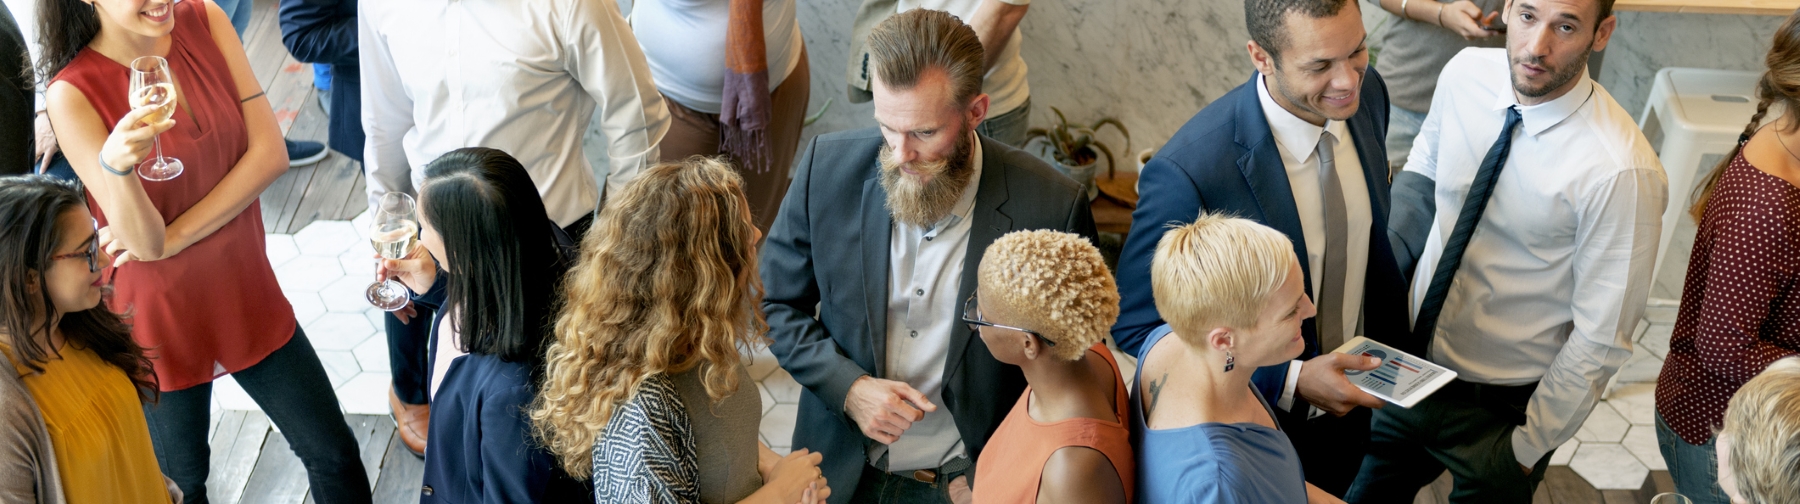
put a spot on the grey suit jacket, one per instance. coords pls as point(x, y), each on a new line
point(829, 249)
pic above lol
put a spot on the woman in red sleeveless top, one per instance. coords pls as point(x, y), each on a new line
point(191, 267)
point(1044, 301)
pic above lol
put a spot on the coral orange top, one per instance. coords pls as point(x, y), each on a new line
point(1010, 467)
point(215, 307)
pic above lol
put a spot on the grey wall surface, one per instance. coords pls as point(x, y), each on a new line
point(1154, 63)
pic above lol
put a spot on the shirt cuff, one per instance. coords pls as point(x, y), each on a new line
point(1526, 454)
point(1286, 401)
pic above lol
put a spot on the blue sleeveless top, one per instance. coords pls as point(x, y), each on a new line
point(1212, 462)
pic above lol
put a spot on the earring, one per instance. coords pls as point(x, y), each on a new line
point(1230, 362)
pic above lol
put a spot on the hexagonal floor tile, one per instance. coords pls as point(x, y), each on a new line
point(348, 294)
point(326, 238)
point(1608, 466)
point(359, 262)
point(280, 248)
point(377, 318)
point(778, 425)
point(1641, 442)
point(768, 400)
point(783, 387)
point(372, 354)
point(761, 364)
point(1635, 401)
point(366, 394)
point(308, 273)
point(339, 331)
point(1603, 426)
point(307, 306)
point(1565, 452)
point(1656, 339)
point(340, 366)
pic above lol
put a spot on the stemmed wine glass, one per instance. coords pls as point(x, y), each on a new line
point(1670, 498)
point(151, 85)
point(394, 233)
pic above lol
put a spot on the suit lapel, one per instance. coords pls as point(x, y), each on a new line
point(1267, 177)
point(877, 233)
point(987, 225)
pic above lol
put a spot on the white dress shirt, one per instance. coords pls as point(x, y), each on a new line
point(925, 267)
point(1298, 142)
point(522, 76)
point(1554, 278)
point(1005, 84)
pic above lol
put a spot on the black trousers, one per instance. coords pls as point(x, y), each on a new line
point(409, 359)
point(291, 387)
point(1464, 427)
point(1331, 448)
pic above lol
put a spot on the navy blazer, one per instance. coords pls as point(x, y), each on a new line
point(1225, 160)
point(481, 448)
point(324, 32)
point(825, 280)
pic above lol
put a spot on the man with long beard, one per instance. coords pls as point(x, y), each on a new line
point(1528, 215)
point(864, 271)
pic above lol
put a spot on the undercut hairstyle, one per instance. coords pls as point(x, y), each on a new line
point(504, 268)
point(1217, 272)
point(907, 46)
point(666, 283)
point(30, 207)
point(1267, 19)
point(1056, 284)
point(1763, 422)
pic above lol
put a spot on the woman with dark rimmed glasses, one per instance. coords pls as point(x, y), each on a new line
point(1044, 301)
point(73, 383)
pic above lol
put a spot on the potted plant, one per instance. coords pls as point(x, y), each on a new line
point(1076, 150)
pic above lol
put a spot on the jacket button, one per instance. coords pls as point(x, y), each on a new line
point(426, 490)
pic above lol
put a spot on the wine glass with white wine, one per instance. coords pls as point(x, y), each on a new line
point(394, 233)
point(151, 85)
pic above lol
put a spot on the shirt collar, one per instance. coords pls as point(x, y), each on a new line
point(1537, 118)
point(1298, 137)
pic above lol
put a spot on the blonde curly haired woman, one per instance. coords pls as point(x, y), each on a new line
point(1044, 301)
point(644, 391)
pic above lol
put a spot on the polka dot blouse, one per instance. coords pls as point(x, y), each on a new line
point(1739, 309)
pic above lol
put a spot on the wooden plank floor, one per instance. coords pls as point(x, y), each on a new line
point(252, 464)
point(329, 190)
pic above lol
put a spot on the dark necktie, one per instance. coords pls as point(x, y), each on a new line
point(1473, 205)
point(1330, 322)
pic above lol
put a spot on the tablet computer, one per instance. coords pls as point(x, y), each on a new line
point(1402, 378)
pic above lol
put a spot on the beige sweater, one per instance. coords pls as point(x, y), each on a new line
point(27, 462)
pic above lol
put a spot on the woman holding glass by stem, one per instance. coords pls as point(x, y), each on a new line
point(190, 262)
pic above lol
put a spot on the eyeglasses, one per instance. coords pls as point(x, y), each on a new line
point(92, 254)
point(972, 316)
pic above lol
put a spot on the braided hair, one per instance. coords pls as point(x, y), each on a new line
point(1780, 83)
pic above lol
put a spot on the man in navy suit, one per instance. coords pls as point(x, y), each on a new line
point(872, 257)
point(1299, 147)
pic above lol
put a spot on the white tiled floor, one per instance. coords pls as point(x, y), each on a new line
point(324, 268)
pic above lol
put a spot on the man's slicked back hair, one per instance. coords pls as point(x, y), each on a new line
point(906, 46)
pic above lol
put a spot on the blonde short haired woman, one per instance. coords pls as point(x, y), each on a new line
point(1759, 450)
point(1233, 295)
point(644, 391)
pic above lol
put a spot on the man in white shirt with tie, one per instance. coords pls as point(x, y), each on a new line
point(1531, 206)
point(522, 76)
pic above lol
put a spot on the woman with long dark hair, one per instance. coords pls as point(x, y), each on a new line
point(190, 262)
point(73, 383)
point(492, 269)
point(1740, 309)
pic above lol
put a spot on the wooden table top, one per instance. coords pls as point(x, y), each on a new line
point(1757, 7)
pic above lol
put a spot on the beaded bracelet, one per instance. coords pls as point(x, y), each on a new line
point(109, 168)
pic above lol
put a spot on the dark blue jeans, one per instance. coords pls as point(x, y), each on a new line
point(291, 387)
point(1695, 468)
point(409, 360)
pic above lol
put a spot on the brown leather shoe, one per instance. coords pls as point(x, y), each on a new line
point(411, 421)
